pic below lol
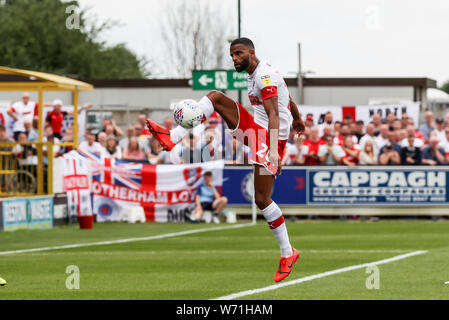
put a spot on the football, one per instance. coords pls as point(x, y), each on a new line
point(188, 114)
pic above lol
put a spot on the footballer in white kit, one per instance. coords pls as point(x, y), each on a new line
point(266, 134)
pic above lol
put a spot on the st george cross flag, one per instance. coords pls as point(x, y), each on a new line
point(76, 184)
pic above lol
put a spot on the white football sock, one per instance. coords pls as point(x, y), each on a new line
point(177, 134)
point(273, 215)
point(207, 106)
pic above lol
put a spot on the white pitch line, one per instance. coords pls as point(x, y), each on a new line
point(317, 276)
point(103, 243)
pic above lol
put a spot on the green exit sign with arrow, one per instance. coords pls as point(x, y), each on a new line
point(219, 80)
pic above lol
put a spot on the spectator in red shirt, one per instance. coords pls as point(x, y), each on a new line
point(55, 117)
point(142, 119)
point(311, 146)
point(352, 154)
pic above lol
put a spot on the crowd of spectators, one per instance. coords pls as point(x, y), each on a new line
point(388, 141)
point(385, 141)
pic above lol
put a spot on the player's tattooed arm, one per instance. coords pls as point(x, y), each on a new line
point(297, 124)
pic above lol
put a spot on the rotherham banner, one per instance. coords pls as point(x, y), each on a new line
point(364, 113)
point(166, 192)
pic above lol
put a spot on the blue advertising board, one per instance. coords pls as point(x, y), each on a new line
point(377, 186)
point(289, 187)
point(345, 186)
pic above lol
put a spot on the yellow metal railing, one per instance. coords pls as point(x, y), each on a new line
point(26, 169)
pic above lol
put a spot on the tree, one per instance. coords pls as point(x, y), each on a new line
point(196, 36)
point(445, 86)
point(34, 34)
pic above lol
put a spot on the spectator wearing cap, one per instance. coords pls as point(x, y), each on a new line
point(439, 130)
point(309, 120)
point(433, 154)
point(56, 116)
point(428, 125)
point(411, 154)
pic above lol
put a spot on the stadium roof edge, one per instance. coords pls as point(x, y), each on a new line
point(308, 82)
point(19, 79)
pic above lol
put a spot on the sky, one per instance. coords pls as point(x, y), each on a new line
point(339, 38)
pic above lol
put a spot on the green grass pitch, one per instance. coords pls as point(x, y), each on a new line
point(212, 264)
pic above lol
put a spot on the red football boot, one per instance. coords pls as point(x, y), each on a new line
point(285, 266)
point(161, 134)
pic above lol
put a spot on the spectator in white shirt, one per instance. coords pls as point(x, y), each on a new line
point(330, 153)
point(328, 121)
point(21, 111)
point(369, 136)
point(418, 142)
point(112, 150)
point(90, 145)
point(382, 138)
point(439, 130)
point(102, 136)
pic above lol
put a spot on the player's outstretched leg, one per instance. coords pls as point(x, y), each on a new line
point(214, 101)
point(263, 184)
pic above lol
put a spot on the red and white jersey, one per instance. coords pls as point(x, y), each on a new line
point(265, 82)
point(23, 112)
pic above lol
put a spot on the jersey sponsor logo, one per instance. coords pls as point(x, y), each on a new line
point(266, 80)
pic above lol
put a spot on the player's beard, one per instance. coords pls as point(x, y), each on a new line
point(242, 66)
